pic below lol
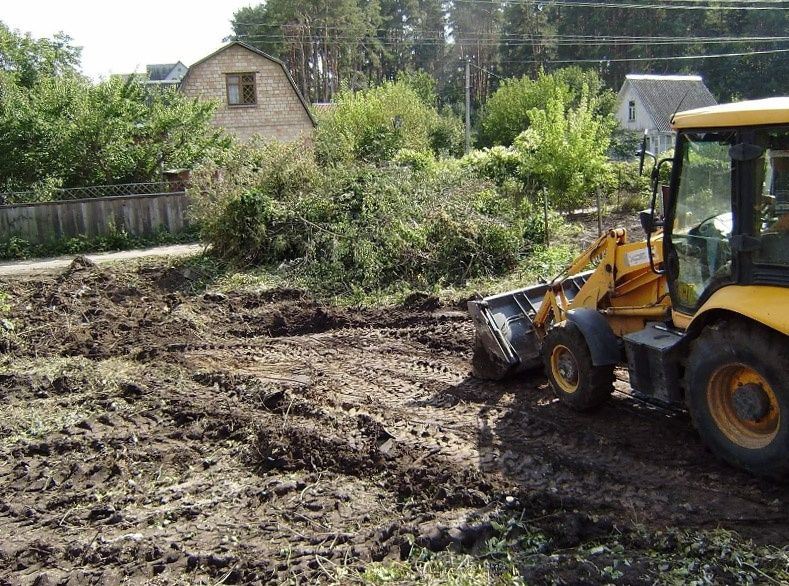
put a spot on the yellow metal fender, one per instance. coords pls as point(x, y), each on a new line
point(762, 303)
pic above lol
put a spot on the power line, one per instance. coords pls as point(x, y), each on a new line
point(624, 59)
point(441, 35)
point(523, 40)
point(488, 71)
point(588, 4)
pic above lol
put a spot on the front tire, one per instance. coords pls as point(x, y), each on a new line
point(568, 365)
point(737, 395)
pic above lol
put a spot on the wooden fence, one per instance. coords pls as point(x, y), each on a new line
point(52, 221)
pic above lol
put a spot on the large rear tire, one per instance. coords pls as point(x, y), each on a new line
point(738, 395)
point(568, 365)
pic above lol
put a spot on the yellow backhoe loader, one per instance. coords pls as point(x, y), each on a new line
point(699, 311)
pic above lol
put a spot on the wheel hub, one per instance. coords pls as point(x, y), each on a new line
point(751, 402)
point(567, 368)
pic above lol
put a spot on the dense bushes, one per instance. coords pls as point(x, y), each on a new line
point(371, 126)
point(66, 132)
point(58, 129)
point(562, 151)
point(360, 226)
point(509, 110)
point(627, 189)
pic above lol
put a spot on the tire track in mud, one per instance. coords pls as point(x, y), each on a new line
point(357, 371)
point(266, 437)
point(627, 458)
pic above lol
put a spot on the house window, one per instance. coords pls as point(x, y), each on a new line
point(241, 89)
point(631, 111)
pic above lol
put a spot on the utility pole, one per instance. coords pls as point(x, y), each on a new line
point(468, 105)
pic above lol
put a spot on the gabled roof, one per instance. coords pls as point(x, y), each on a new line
point(663, 95)
point(262, 54)
point(162, 71)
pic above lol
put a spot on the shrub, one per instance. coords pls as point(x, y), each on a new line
point(424, 84)
point(625, 143)
point(372, 126)
point(564, 150)
point(497, 164)
point(233, 198)
point(508, 112)
point(446, 134)
point(626, 188)
point(66, 132)
point(416, 160)
point(361, 227)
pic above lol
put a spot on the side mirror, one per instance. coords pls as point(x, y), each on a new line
point(642, 153)
point(648, 222)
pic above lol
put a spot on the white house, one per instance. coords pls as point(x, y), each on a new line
point(647, 102)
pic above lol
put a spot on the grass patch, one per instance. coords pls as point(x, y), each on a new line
point(521, 553)
point(444, 568)
point(44, 395)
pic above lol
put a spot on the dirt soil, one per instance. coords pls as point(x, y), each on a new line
point(156, 435)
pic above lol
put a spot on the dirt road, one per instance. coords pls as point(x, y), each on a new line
point(158, 436)
point(46, 266)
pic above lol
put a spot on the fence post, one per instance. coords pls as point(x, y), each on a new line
point(545, 215)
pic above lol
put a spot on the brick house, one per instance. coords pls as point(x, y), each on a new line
point(256, 94)
point(647, 102)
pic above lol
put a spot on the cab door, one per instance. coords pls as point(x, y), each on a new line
point(701, 222)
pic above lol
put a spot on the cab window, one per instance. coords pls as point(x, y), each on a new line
point(771, 213)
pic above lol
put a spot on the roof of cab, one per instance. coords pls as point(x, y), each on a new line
point(750, 113)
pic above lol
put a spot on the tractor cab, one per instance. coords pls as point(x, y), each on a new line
point(727, 215)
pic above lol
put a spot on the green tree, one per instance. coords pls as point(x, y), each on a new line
point(564, 150)
point(422, 83)
point(527, 37)
point(59, 129)
point(66, 132)
point(28, 60)
point(323, 43)
point(373, 125)
point(476, 30)
point(507, 112)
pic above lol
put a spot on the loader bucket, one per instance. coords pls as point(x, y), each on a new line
point(506, 341)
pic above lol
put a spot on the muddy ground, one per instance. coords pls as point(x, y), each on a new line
point(154, 433)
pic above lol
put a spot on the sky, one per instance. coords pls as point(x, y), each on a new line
point(122, 37)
